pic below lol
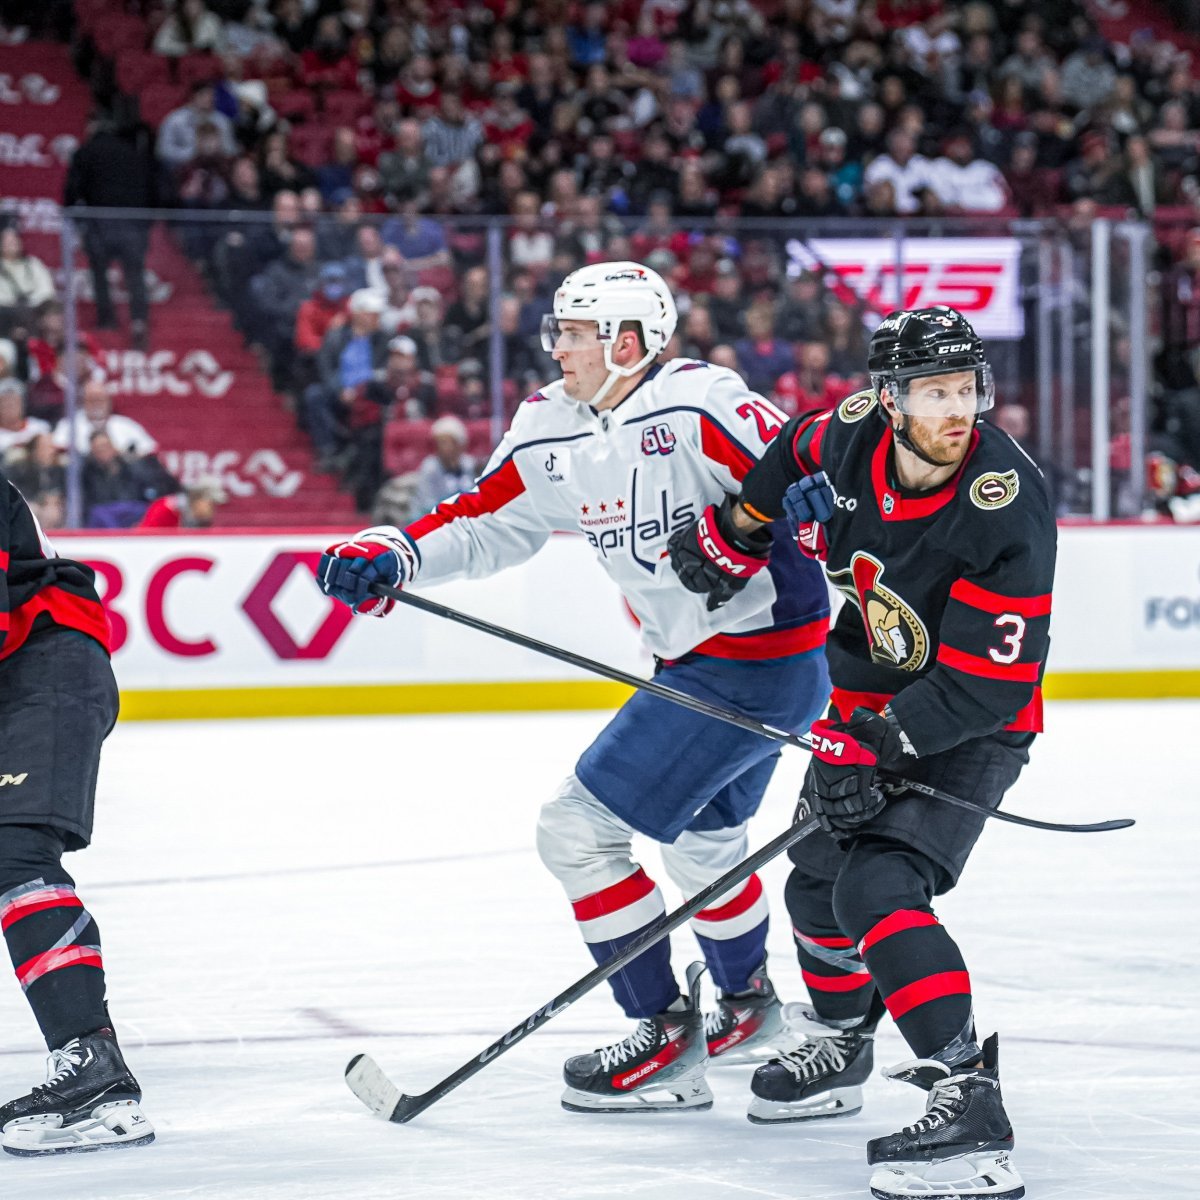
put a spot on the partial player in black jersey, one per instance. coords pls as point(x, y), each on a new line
point(937, 530)
point(58, 702)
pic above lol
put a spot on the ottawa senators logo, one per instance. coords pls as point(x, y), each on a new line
point(855, 407)
point(993, 490)
point(896, 635)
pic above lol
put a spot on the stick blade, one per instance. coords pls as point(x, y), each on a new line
point(366, 1080)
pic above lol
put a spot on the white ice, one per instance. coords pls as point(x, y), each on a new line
point(277, 895)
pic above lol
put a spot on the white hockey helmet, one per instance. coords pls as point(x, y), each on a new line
point(611, 293)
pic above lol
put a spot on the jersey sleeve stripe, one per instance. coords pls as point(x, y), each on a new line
point(985, 668)
point(3, 560)
point(716, 444)
point(806, 445)
point(970, 593)
point(490, 494)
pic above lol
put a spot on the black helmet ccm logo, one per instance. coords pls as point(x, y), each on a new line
point(993, 490)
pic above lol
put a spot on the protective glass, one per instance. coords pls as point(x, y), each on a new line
point(573, 339)
point(946, 395)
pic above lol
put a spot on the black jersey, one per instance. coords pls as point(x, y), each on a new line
point(36, 586)
point(948, 590)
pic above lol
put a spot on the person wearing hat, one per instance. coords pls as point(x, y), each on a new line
point(352, 357)
point(448, 470)
point(845, 175)
point(193, 508)
point(321, 310)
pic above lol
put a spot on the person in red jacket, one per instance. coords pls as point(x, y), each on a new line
point(193, 508)
point(58, 702)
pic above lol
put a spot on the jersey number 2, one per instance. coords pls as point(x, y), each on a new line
point(766, 416)
point(1012, 640)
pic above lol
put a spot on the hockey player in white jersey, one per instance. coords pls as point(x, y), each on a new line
point(627, 451)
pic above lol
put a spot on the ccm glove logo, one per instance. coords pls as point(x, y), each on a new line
point(716, 552)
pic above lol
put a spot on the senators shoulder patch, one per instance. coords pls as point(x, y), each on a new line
point(855, 407)
point(993, 490)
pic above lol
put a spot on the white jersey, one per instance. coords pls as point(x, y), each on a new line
point(626, 479)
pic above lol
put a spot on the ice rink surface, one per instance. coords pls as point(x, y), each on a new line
point(277, 895)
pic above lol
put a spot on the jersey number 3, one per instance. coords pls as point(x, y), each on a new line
point(1012, 640)
point(765, 415)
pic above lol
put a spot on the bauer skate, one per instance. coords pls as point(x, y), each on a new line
point(821, 1078)
point(89, 1101)
point(658, 1068)
point(960, 1148)
point(745, 1026)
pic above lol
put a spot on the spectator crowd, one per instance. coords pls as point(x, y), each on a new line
point(361, 137)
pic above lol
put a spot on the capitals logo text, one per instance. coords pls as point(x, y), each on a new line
point(611, 527)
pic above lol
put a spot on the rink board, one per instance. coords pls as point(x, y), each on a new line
point(231, 624)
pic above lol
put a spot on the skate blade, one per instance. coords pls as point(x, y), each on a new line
point(987, 1175)
point(841, 1102)
point(117, 1126)
point(687, 1093)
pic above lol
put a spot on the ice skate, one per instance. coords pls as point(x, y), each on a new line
point(746, 1026)
point(89, 1101)
point(822, 1077)
point(658, 1068)
point(960, 1148)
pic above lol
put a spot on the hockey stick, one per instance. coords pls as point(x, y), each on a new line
point(715, 711)
point(369, 1083)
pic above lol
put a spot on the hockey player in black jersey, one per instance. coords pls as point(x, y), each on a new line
point(938, 531)
point(58, 702)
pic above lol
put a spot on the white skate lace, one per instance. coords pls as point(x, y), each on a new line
point(718, 1020)
point(944, 1104)
point(808, 1059)
point(642, 1038)
point(62, 1063)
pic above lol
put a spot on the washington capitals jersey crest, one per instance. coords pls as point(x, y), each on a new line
point(947, 591)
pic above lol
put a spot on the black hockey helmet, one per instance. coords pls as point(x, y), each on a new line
point(917, 343)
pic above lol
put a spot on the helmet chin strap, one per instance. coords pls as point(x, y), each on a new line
point(615, 372)
point(901, 435)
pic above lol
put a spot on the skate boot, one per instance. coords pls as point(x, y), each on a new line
point(821, 1077)
point(658, 1068)
point(960, 1148)
point(745, 1025)
point(89, 1101)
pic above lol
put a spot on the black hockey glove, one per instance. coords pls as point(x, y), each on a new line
point(713, 558)
point(842, 788)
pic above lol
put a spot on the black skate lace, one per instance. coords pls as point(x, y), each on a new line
point(62, 1064)
point(642, 1038)
point(806, 1061)
point(944, 1104)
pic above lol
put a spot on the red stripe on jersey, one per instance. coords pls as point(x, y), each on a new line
point(490, 495)
point(993, 602)
point(813, 451)
point(897, 922)
point(63, 608)
point(31, 971)
point(746, 898)
point(832, 943)
point(3, 560)
point(716, 444)
point(846, 702)
point(905, 508)
point(612, 899)
point(20, 909)
point(985, 668)
point(1029, 719)
point(770, 643)
point(835, 983)
point(922, 991)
